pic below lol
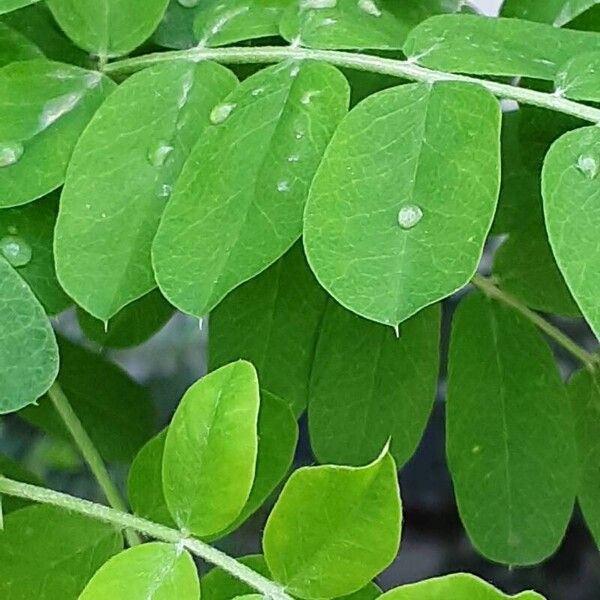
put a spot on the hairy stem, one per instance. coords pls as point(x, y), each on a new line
point(491, 290)
point(405, 69)
point(124, 520)
point(89, 452)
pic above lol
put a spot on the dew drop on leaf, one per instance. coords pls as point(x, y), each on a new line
point(16, 250)
point(188, 3)
point(318, 4)
point(54, 109)
point(10, 153)
point(221, 112)
point(409, 216)
point(165, 190)
point(157, 154)
point(283, 186)
point(588, 165)
point(369, 7)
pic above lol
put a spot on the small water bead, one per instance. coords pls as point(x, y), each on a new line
point(257, 92)
point(369, 7)
point(409, 216)
point(328, 22)
point(57, 107)
point(283, 186)
point(588, 165)
point(188, 3)
point(157, 154)
point(165, 190)
point(10, 153)
point(221, 112)
point(295, 70)
point(294, 158)
point(299, 135)
point(16, 250)
point(308, 96)
point(318, 4)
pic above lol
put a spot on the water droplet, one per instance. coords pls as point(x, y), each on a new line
point(283, 186)
point(189, 3)
point(476, 449)
point(103, 215)
point(299, 135)
point(221, 112)
point(188, 83)
point(54, 109)
point(295, 70)
point(328, 22)
point(293, 158)
point(92, 79)
point(257, 91)
point(165, 190)
point(16, 250)
point(10, 153)
point(588, 165)
point(308, 96)
point(409, 216)
point(157, 154)
point(318, 4)
point(369, 7)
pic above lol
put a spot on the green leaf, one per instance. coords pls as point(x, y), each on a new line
point(570, 190)
point(28, 350)
point(14, 46)
point(334, 528)
point(13, 470)
point(176, 30)
point(484, 46)
point(579, 78)
point(222, 22)
point(268, 136)
point(391, 224)
point(510, 437)
point(211, 448)
point(459, 586)
point(219, 584)
point(153, 571)
point(32, 227)
point(273, 321)
point(555, 12)
point(584, 392)
point(368, 386)
point(117, 412)
point(121, 176)
point(37, 137)
point(108, 27)
point(132, 325)
point(48, 553)
point(10, 5)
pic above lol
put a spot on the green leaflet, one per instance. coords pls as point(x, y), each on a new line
point(152, 571)
point(28, 350)
point(334, 528)
point(10, 5)
point(579, 78)
point(484, 46)
point(12, 469)
point(555, 12)
point(268, 137)
point(117, 412)
point(273, 321)
point(584, 392)
point(37, 137)
point(176, 30)
point(108, 27)
point(32, 228)
point(221, 22)
point(368, 387)
point(121, 176)
point(459, 586)
point(49, 554)
point(211, 448)
point(392, 225)
point(570, 190)
point(218, 584)
point(15, 47)
point(131, 326)
point(510, 438)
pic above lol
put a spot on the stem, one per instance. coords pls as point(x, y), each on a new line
point(406, 69)
point(491, 290)
point(89, 452)
point(154, 530)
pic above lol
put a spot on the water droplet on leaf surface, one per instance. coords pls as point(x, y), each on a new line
point(16, 250)
point(10, 153)
point(157, 154)
point(409, 216)
point(188, 3)
point(369, 7)
point(221, 112)
point(588, 165)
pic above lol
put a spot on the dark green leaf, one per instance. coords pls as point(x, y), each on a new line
point(14, 46)
point(10, 5)
point(176, 30)
point(554, 12)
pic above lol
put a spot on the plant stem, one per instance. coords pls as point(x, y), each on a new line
point(491, 290)
point(406, 69)
point(89, 452)
point(154, 530)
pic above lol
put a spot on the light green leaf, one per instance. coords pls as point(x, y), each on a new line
point(50, 554)
point(13, 470)
point(108, 27)
point(117, 412)
point(121, 176)
point(219, 584)
point(571, 191)
point(221, 22)
point(334, 528)
point(273, 321)
point(268, 136)
point(459, 586)
point(153, 571)
point(211, 448)
point(368, 386)
point(510, 437)
point(132, 325)
point(579, 78)
point(10, 5)
point(28, 350)
point(32, 228)
point(555, 12)
point(584, 392)
point(176, 29)
point(391, 224)
point(484, 46)
point(38, 136)
point(14, 46)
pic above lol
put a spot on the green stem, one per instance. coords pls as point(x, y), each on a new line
point(89, 452)
point(491, 290)
point(124, 520)
point(405, 69)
